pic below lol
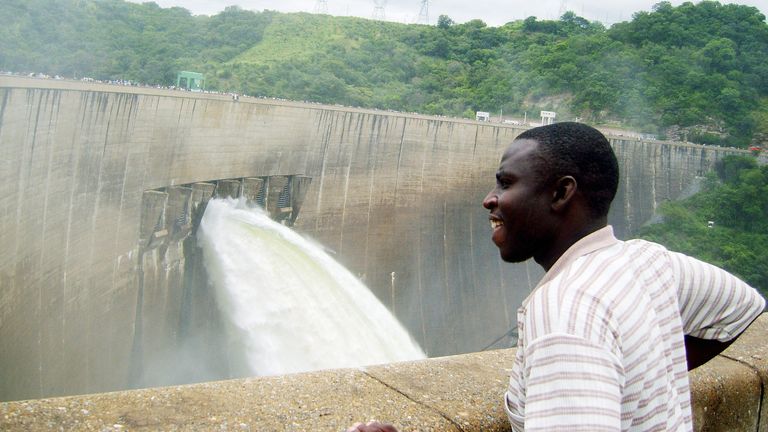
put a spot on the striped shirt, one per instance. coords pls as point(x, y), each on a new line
point(601, 343)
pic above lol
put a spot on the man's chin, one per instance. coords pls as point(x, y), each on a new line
point(513, 258)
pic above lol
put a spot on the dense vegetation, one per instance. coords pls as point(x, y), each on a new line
point(698, 68)
point(736, 200)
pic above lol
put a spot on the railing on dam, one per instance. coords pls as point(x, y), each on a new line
point(457, 393)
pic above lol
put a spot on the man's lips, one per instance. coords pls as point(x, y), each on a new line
point(496, 221)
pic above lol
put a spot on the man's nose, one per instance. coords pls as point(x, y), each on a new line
point(490, 200)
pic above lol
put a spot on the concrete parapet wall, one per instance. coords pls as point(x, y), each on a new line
point(92, 275)
point(458, 393)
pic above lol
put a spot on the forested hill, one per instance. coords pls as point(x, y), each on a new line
point(699, 68)
point(725, 223)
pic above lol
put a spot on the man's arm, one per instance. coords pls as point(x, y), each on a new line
point(699, 351)
point(714, 304)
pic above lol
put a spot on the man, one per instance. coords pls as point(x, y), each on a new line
point(603, 337)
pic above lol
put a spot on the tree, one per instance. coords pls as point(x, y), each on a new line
point(444, 22)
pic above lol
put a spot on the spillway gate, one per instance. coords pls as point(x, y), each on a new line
point(176, 313)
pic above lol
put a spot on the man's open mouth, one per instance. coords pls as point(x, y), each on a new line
point(495, 223)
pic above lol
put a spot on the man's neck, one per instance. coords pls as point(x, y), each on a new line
point(568, 236)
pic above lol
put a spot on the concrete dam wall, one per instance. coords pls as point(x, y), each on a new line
point(101, 186)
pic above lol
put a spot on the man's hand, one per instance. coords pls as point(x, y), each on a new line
point(371, 426)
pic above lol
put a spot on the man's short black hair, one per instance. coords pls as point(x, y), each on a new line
point(580, 151)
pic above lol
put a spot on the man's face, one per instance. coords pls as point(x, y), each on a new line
point(520, 205)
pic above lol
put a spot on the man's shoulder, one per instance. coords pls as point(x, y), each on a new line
point(607, 274)
point(644, 244)
point(594, 294)
point(630, 255)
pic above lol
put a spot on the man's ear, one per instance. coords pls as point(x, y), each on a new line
point(564, 191)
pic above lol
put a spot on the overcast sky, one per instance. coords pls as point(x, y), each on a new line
point(493, 12)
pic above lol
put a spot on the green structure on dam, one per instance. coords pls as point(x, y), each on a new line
point(92, 272)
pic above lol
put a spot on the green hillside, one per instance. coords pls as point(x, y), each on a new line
point(301, 35)
point(725, 224)
point(696, 71)
point(320, 58)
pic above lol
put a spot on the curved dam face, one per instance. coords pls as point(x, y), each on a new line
point(101, 185)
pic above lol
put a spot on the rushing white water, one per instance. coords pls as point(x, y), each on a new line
point(290, 306)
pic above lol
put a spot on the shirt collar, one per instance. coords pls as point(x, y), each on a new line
point(599, 239)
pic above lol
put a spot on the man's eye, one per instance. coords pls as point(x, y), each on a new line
point(503, 182)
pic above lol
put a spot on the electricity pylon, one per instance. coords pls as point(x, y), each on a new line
point(321, 7)
point(424, 13)
point(378, 9)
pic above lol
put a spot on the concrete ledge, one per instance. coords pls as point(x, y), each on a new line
point(728, 392)
point(457, 393)
point(726, 396)
point(751, 351)
point(447, 394)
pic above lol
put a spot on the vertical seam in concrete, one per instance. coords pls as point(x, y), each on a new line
point(42, 240)
point(419, 269)
point(429, 407)
point(72, 188)
point(116, 265)
point(762, 386)
point(420, 290)
point(6, 95)
point(372, 177)
point(106, 144)
point(34, 135)
point(346, 178)
point(399, 159)
point(52, 119)
point(446, 287)
point(373, 147)
point(472, 253)
point(324, 160)
point(344, 204)
point(88, 290)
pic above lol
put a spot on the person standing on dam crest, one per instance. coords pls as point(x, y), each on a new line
point(607, 337)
